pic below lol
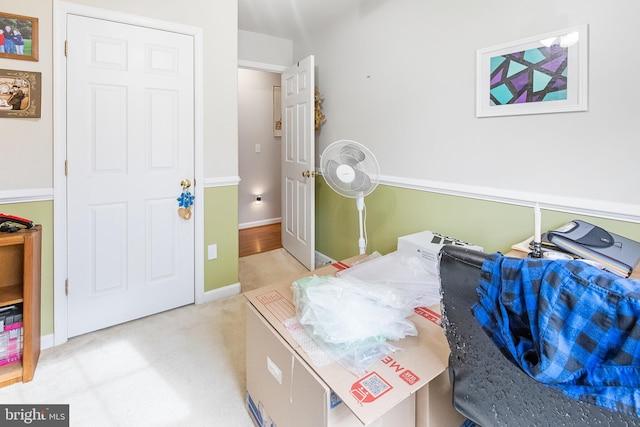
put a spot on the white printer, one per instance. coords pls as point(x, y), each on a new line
point(428, 244)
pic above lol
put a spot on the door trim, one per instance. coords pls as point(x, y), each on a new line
point(261, 66)
point(60, 260)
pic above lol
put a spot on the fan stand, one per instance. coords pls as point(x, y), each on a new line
point(360, 206)
point(352, 171)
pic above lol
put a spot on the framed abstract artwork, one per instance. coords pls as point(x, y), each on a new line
point(541, 74)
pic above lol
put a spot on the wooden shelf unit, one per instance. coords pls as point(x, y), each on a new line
point(20, 261)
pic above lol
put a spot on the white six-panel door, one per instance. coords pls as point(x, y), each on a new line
point(130, 143)
point(298, 157)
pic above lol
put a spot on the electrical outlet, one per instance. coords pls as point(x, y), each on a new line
point(213, 251)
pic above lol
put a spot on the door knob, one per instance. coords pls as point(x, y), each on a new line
point(185, 183)
point(309, 174)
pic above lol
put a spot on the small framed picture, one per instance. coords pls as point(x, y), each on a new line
point(20, 94)
point(277, 111)
point(18, 37)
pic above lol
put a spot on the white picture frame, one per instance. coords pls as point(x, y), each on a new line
point(527, 76)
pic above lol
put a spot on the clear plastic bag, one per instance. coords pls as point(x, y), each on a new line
point(353, 319)
point(413, 279)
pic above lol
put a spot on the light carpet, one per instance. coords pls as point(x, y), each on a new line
point(268, 267)
point(184, 367)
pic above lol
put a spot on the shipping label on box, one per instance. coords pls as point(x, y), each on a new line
point(394, 377)
point(283, 391)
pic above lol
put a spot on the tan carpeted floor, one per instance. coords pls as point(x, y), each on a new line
point(268, 267)
point(184, 367)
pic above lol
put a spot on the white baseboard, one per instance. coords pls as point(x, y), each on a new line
point(224, 292)
point(259, 223)
point(322, 260)
point(47, 341)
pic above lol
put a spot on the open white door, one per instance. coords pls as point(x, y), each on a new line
point(298, 162)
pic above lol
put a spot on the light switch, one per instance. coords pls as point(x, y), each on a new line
point(257, 148)
point(213, 251)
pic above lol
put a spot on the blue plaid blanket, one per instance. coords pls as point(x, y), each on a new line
point(566, 324)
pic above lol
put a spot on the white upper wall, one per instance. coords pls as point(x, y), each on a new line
point(400, 78)
point(27, 144)
point(254, 48)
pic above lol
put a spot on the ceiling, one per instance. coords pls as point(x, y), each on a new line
point(289, 19)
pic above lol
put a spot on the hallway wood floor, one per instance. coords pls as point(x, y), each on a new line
point(259, 239)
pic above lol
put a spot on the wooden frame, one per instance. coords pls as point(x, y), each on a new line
point(277, 111)
point(20, 93)
point(546, 73)
point(24, 43)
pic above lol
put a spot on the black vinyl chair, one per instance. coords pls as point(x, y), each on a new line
point(487, 388)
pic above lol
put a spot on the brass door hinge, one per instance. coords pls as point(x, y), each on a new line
point(66, 48)
point(66, 168)
point(66, 287)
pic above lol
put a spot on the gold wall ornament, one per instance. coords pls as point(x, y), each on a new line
point(320, 119)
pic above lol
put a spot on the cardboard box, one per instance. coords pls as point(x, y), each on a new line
point(285, 388)
point(283, 391)
point(434, 407)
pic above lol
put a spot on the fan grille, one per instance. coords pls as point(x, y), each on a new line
point(350, 168)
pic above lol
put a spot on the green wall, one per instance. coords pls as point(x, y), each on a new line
point(40, 213)
point(221, 228)
point(393, 211)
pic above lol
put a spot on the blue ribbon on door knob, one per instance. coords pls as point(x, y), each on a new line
point(185, 201)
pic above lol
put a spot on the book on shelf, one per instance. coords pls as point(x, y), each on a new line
point(11, 334)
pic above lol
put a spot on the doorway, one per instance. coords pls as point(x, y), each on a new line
point(297, 83)
point(259, 151)
point(152, 217)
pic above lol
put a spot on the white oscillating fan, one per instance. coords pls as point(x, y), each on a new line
point(351, 170)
